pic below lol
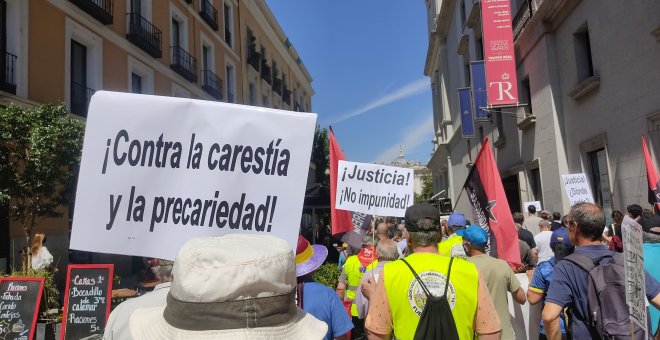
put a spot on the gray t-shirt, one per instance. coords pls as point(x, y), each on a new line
point(532, 224)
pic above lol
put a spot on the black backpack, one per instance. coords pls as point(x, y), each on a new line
point(606, 290)
point(436, 321)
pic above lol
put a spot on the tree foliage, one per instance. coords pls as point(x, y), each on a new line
point(39, 153)
point(427, 189)
point(321, 155)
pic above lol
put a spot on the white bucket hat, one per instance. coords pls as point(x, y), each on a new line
point(231, 287)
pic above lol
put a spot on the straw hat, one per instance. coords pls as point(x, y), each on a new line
point(231, 287)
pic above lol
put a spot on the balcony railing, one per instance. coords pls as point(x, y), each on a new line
point(144, 35)
point(286, 95)
point(184, 64)
point(277, 85)
point(101, 10)
point(265, 72)
point(8, 73)
point(522, 18)
point(254, 59)
point(212, 84)
point(209, 14)
point(80, 96)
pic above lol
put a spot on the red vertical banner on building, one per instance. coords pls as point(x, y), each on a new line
point(340, 219)
point(499, 54)
point(652, 176)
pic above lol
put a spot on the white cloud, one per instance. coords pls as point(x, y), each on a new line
point(409, 90)
point(413, 137)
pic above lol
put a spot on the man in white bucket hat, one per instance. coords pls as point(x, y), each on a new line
point(231, 287)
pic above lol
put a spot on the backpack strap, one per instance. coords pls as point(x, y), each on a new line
point(582, 261)
point(448, 273)
point(421, 283)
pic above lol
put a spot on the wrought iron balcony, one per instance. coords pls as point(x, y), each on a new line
point(80, 97)
point(144, 35)
point(277, 85)
point(8, 73)
point(212, 84)
point(254, 59)
point(101, 10)
point(286, 95)
point(265, 72)
point(209, 14)
point(522, 18)
point(184, 64)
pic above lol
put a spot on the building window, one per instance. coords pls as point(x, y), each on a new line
point(481, 135)
point(230, 75)
point(207, 58)
point(526, 96)
point(466, 70)
point(84, 59)
point(79, 87)
point(229, 24)
point(253, 94)
point(140, 77)
point(462, 9)
point(141, 7)
point(264, 100)
point(535, 182)
point(583, 57)
point(600, 178)
point(176, 33)
point(178, 28)
point(136, 83)
point(500, 125)
point(480, 47)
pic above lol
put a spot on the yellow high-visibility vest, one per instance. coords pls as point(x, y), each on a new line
point(407, 298)
point(354, 271)
point(452, 247)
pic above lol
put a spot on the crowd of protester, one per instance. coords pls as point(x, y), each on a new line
point(420, 277)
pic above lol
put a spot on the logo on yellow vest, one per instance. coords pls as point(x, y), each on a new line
point(435, 282)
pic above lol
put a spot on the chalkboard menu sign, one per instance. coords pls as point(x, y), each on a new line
point(19, 306)
point(87, 300)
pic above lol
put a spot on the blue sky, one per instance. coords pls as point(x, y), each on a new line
point(367, 60)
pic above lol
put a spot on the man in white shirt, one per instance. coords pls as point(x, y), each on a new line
point(117, 326)
point(542, 240)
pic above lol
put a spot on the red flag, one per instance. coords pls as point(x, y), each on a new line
point(339, 219)
point(486, 194)
point(652, 175)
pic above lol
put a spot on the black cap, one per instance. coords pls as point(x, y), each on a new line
point(419, 211)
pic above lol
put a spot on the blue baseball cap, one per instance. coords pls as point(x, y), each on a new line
point(476, 236)
point(456, 221)
point(560, 236)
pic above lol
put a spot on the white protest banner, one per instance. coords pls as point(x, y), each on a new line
point(374, 189)
point(577, 188)
point(536, 204)
point(157, 171)
point(633, 252)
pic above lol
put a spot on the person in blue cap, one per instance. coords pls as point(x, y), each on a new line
point(453, 245)
point(498, 275)
point(561, 245)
